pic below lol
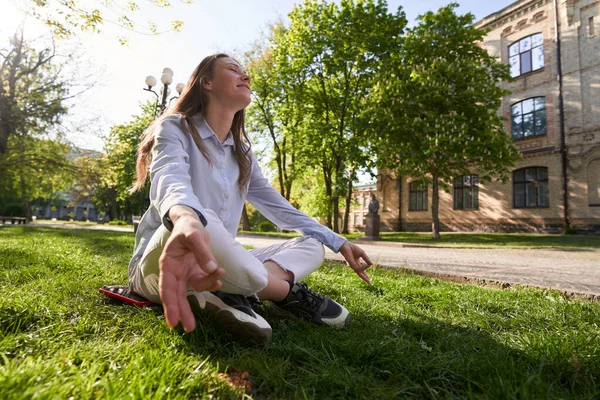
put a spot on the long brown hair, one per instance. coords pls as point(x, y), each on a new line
point(193, 100)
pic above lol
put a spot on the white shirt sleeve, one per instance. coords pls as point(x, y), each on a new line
point(270, 203)
point(170, 168)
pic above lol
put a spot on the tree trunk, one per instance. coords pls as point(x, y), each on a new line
point(435, 203)
point(335, 201)
point(245, 219)
point(348, 203)
point(329, 194)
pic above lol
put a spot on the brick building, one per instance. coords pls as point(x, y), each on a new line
point(523, 35)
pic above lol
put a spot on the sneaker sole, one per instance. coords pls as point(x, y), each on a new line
point(237, 323)
point(338, 322)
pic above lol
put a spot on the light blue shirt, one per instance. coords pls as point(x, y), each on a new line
point(181, 175)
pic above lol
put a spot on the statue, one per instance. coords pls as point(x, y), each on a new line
point(373, 205)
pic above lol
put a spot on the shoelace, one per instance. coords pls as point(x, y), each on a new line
point(313, 299)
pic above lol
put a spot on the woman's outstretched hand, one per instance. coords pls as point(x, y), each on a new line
point(186, 259)
point(353, 255)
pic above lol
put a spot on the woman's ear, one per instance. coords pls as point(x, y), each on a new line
point(206, 83)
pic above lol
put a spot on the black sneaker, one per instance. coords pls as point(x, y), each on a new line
point(304, 303)
point(234, 313)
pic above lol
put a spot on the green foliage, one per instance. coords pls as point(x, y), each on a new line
point(32, 90)
point(319, 72)
point(117, 222)
point(266, 226)
point(438, 105)
point(410, 337)
point(66, 18)
point(108, 178)
point(277, 107)
point(34, 168)
point(32, 94)
point(12, 210)
point(570, 230)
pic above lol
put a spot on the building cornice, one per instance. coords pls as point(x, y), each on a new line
point(510, 13)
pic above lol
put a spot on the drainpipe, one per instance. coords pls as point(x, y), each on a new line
point(399, 203)
point(563, 147)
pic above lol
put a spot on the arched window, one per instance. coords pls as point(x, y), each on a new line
point(528, 118)
point(530, 187)
point(526, 55)
point(466, 192)
point(593, 183)
point(418, 196)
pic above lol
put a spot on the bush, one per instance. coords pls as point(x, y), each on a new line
point(571, 230)
point(117, 222)
point(13, 210)
point(266, 226)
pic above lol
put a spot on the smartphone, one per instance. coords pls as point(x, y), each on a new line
point(124, 294)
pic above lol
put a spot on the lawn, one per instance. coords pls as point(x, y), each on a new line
point(484, 240)
point(411, 336)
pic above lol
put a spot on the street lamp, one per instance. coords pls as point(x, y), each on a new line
point(166, 78)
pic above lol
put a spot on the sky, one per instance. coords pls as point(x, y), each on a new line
point(209, 26)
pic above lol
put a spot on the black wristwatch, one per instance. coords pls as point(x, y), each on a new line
point(166, 220)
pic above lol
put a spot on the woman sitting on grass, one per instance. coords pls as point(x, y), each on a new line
point(202, 170)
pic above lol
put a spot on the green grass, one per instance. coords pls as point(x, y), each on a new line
point(484, 240)
point(411, 336)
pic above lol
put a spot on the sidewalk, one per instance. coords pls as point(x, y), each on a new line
point(573, 271)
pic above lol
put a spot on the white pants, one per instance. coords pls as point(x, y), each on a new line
point(245, 272)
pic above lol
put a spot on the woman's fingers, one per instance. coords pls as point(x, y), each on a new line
point(363, 275)
point(168, 295)
point(185, 312)
point(199, 245)
point(206, 282)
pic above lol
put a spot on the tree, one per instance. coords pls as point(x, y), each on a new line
point(108, 178)
point(33, 92)
point(65, 17)
point(276, 111)
point(34, 168)
point(338, 51)
point(438, 103)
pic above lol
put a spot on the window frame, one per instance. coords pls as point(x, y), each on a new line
point(531, 183)
point(471, 190)
point(533, 114)
point(420, 191)
point(528, 54)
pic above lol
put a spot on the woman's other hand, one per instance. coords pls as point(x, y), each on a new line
point(186, 259)
point(353, 255)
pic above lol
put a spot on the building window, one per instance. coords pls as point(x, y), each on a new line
point(466, 192)
point(593, 183)
point(418, 197)
point(591, 27)
point(530, 187)
point(357, 219)
point(526, 55)
point(528, 118)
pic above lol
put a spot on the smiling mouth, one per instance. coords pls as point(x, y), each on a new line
point(246, 86)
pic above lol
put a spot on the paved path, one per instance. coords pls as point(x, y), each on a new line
point(574, 271)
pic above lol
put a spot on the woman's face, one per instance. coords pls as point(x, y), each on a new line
point(229, 86)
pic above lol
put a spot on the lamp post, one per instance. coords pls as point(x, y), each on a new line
point(166, 78)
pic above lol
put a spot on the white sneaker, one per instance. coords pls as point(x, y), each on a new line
point(234, 313)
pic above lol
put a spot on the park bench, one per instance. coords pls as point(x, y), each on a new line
point(13, 220)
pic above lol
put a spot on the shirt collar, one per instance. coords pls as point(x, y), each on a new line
point(206, 131)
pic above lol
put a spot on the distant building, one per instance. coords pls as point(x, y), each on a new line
point(523, 35)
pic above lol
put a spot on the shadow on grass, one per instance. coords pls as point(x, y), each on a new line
point(390, 357)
